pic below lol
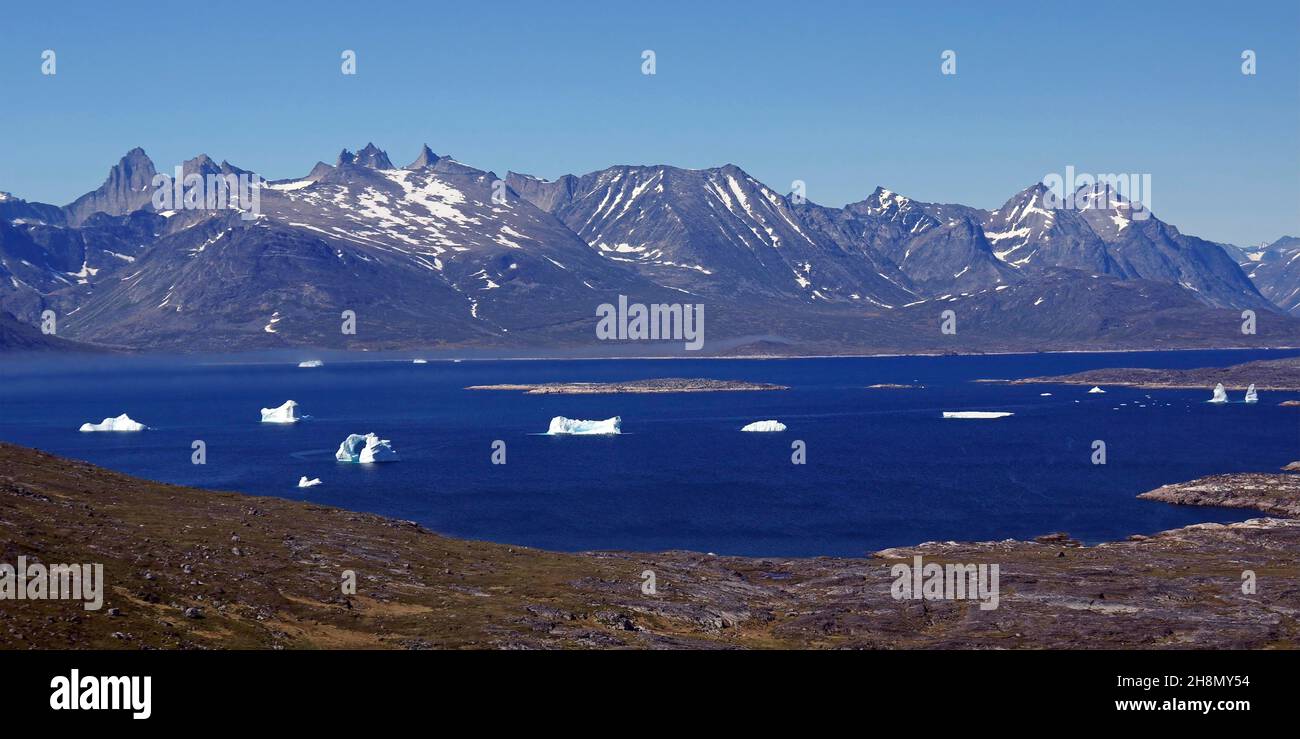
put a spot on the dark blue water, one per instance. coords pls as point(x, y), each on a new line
point(883, 468)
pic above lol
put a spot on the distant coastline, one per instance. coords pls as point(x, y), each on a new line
point(658, 385)
point(297, 354)
point(1281, 375)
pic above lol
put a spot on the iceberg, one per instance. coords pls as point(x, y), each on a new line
point(764, 426)
point(311, 363)
point(303, 482)
point(1096, 389)
point(286, 413)
point(562, 425)
point(1251, 395)
point(1220, 395)
point(976, 414)
point(365, 449)
point(419, 361)
point(121, 423)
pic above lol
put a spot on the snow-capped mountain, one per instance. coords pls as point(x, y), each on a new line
point(712, 232)
point(442, 253)
point(1275, 270)
point(1103, 234)
point(436, 253)
point(939, 248)
point(1026, 231)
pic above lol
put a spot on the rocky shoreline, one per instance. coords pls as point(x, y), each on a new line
point(660, 385)
point(1274, 494)
point(196, 569)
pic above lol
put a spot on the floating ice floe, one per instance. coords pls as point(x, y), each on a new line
point(1096, 389)
point(1044, 395)
point(562, 425)
point(303, 482)
point(1220, 395)
point(764, 426)
point(286, 413)
point(1251, 395)
point(311, 363)
point(121, 423)
point(976, 414)
point(365, 449)
point(419, 361)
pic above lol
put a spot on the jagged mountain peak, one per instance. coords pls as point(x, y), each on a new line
point(1030, 201)
point(883, 199)
point(373, 157)
point(317, 172)
point(126, 189)
point(370, 156)
point(1100, 196)
point(1031, 228)
point(228, 168)
point(426, 158)
point(201, 165)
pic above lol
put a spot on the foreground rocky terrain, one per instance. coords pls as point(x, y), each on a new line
point(189, 568)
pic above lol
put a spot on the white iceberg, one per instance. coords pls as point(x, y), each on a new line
point(121, 423)
point(562, 425)
point(311, 363)
point(1044, 395)
point(764, 426)
point(365, 449)
point(976, 414)
point(1251, 395)
point(1220, 395)
point(1096, 389)
point(286, 413)
point(303, 482)
point(419, 361)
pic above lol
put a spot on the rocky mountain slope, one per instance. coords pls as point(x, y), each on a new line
point(1275, 270)
point(18, 337)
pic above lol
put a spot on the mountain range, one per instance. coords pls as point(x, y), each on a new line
point(439, 254)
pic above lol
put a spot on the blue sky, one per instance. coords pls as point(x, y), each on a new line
point(841, 95)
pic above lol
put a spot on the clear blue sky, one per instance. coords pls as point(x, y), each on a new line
point(842, 95)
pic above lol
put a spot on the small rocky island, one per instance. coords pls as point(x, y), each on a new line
point(1269, 374)
point(658, 385)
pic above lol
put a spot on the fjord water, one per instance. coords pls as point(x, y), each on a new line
point(883, 468)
